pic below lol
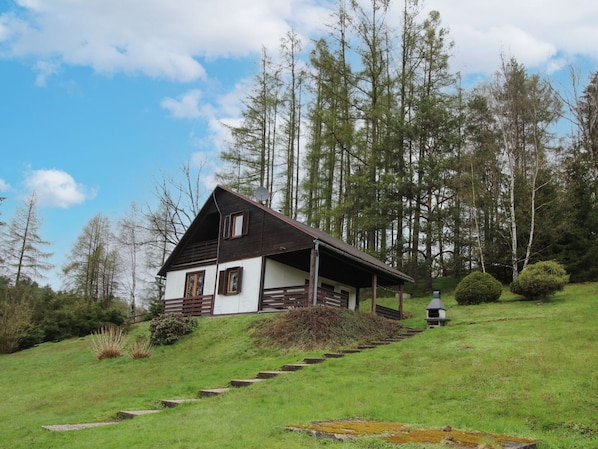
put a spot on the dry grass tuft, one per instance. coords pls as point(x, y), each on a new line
point(108, 342)
point(141, 348)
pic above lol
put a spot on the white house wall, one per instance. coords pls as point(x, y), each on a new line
point(244, 302)
point(175, 281)
point(248, 299)
point(281, 275)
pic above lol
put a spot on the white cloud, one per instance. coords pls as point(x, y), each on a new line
point(159, 38)
point(4, 186)
point(538, 33)
point(56, 188)
point(186, 106)
point(44, 70)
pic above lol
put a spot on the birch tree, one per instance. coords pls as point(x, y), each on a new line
point(525, 108)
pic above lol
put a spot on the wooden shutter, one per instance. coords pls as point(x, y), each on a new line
point(222, 282)
point(226, 224)
point(240, 279)
point(245, 223)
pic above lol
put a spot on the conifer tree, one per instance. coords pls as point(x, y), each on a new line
point(23, 246)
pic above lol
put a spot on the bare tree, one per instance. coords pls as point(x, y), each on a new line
point(131, 238)
point(178, 201)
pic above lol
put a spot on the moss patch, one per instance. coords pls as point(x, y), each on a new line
point(402, 434)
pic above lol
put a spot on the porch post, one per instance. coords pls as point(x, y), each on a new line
point(374, 286)
point(314, 267)
point(401, 301)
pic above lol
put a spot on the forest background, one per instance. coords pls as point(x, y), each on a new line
point(366, 134)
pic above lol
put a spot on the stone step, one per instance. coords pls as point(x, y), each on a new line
point(334, 355)
point(270, 374)
point(176, 402)
point(313, 360)
point(244, 382)
point(129, 414)
point(69, 427)
point(350, 351)
point(366, 346)
point(212, 392)
point(380, 343)
point(294, 366)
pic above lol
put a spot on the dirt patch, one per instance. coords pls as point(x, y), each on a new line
point(401, 434)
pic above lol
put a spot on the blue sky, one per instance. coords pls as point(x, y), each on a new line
point(97, 97)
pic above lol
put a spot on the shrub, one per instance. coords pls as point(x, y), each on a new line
point(319, 327)
point(168, 328)
point(141, 348)
point(476, 288)
point(540, 280)
point(108, 342)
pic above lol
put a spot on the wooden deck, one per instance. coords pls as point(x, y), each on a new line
point(199, 306)
point(297, 296)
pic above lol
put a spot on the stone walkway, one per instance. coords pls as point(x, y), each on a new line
point(235, 383)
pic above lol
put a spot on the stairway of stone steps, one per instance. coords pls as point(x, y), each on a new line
point(237, 383)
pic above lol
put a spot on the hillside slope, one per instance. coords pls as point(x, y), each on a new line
point(514, 367)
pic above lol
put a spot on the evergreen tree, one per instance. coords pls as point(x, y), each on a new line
point(93, 267)
point(250, 160)
point(22, 245)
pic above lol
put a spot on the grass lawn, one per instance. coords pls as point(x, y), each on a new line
point(517, 368)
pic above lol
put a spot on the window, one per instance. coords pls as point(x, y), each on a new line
point(194, 284)
point(329, 287)
point(235, 225)
point(230, 281)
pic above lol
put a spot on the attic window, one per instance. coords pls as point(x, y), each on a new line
point(236, 225)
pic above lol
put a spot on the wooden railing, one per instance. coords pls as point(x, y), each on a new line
point(297, 296)
point(198, 252)
point(198, 306)
point(388, 313)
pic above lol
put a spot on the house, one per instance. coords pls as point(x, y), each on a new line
point(239, 256)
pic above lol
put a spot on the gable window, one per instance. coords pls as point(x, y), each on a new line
point(194, 284)
point(230, 281)
point(236, 225)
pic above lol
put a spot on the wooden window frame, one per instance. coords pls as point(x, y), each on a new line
point(194, 275)
point(224, 281)
point(231, 228)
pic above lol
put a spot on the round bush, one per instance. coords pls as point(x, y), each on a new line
point(476, 288)
point(540, 280)
point(168, 328)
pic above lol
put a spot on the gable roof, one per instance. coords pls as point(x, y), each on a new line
point(328, 242)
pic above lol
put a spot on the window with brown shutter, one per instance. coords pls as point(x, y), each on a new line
point(235, 225)
point(230, 281)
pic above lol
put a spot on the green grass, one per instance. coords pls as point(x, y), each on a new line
point(513, 367)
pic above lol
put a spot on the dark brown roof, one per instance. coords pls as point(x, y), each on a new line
point(330, 242)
